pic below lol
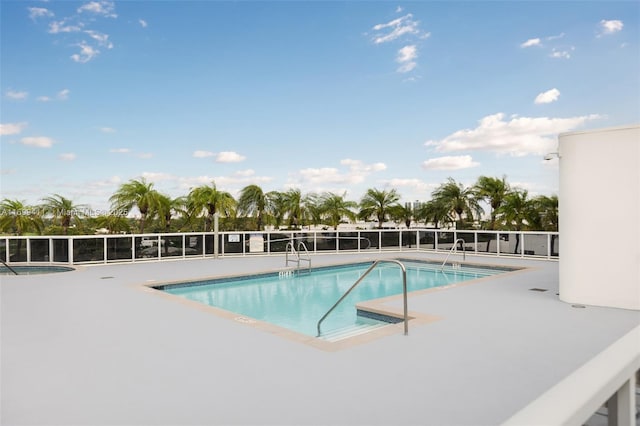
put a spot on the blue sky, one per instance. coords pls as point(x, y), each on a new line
point(320, 96)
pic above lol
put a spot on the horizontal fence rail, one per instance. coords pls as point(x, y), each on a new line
point(87, 249)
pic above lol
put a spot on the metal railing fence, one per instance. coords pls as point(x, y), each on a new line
point(87, 249)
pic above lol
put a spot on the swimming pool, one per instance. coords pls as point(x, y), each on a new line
point(33, 270)
point(296, 300)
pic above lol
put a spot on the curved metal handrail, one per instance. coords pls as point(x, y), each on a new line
point(301, 246)
point(404, 293)
point(455, 248)
point(9, 267)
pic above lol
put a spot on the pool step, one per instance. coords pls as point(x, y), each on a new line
point(352, 330)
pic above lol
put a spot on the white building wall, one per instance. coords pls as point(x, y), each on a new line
point(600, 217)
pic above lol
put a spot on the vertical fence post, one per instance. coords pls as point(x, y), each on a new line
point(70, 247)
point(216, 232)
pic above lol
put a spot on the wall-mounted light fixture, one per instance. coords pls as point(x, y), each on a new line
point(551, 156)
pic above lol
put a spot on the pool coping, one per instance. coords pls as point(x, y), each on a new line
point(379, 306)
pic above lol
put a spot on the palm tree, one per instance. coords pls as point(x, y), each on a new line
point(276, 207)
point(313, 208)
point(547, 216)
point(334, 208)
point(63, 210)
point(400, 213)
point(458, 199)
point(377, 203)
point(516, 213)
point(253, 202)
point(167, 206)
point(434, 211)
point(492, 190)
point(546, 208)
point(136, 193)
point(18, 218)
point(294, 207)
point(113, 223)
point(208, 200)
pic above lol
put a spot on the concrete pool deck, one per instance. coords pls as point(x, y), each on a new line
point(95, 347)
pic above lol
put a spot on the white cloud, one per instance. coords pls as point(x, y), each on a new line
point(12, 128)
point(419, 186)
point(547, 97)
point(561, 53)
point(107, 130)
point(43, 99)
point(610, 27)
point(158, 177)
point(144, 155)
point(101, 38)
point(102, 7)
point(399, 9)
point(12, 94)
point(203, 154)
point(37, 141)
point(57, 27)
point(518, 136)
point(396, 28)
point(229, 157)
point(63, 95)
point(356, 173)
point(245, 173)
point(358, 166)
point(531, 42)
point(406, 57)
point(404, 68)
point(39, 12)
point(555, 37)
point(143, 23)
point(407, 53)
point(120, 150)
point(450, 163)
point(86, 54)
point(69, 156)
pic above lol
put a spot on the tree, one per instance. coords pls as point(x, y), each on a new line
point(167, 206)
point(334, 208)
point(18, 218)
point(113, 223)
point(434, 211)
point(516, 213)
point(294, 206)
point(546, 217)
point(400, 213)
point(493, 191)
point(208, 200)
point(63, 211)
point(253, 202)
point(458, 199)
point(136, 193)
point(376, 203)
point(313, 208)
point(276, 207)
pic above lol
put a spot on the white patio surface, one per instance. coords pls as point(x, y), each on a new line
point(92, 347)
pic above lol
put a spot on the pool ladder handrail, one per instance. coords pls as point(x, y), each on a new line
point(9, 267)
point(404, 293)
point(455, 248)
point(301, 246)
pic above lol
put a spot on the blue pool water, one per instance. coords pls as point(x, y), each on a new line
point(298, 301)
point(33, 270)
